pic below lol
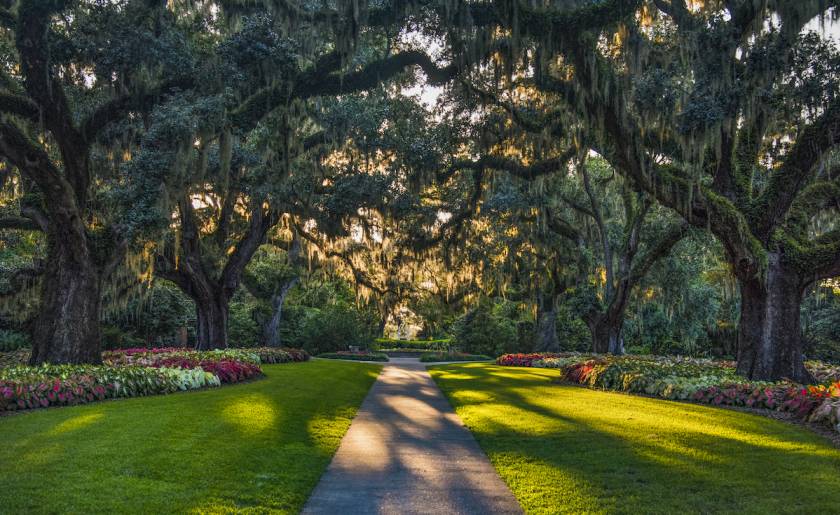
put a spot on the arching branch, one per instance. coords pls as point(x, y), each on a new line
point(316, 82)
point(658, 250)
point(513, 167)
point(262, 220)
point(799, 167)
point(19, 106)
point(19, 223)
point(118, 107)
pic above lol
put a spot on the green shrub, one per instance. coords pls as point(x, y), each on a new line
point(155, 318)
point(572, 332)
point(481, 331)
point(13, 340)
point(13, 358)
point(115, 338)
point(243, 330)
point(333, 328)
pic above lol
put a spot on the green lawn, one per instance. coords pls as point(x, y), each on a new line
point(258, 447)
point(569, 449)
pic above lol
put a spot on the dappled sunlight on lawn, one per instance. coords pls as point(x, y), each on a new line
point(75, 423)
point(42, 456)
point(257, 446)
point(252, 414)
point(326, 432)
point(570, 449)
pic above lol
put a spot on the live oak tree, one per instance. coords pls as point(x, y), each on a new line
point(80, 81)
point(74, 75)
point(270, 277)
point(542, 227)
point(370, 214)
point(724, 111)
point(278, 70)
point(623, 235)
point(184, 130)
point(580, 236)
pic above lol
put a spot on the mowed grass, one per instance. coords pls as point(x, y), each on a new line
point(566, 449)
point(255, 447)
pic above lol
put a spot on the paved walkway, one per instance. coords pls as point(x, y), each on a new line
point(408, 452)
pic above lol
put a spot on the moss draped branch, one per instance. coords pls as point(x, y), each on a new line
point(658, 250)
point(19, 223)
point(799, 168)
point(513, 167)
point(47, 91)
point(19, 106)
point(316, 82)
point(118, 107)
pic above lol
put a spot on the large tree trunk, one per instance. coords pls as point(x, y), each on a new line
point(769, 338)
point(385, 314)
point(606, 333)
point(271, 330)
point(67, 328)
point(547, 340)
point(212, 322)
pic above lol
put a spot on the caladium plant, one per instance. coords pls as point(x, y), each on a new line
point(699, 380)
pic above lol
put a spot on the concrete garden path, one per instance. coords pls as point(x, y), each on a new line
point(408, 452)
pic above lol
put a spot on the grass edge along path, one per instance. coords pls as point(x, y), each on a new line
point(254, 447)
point(566, 449)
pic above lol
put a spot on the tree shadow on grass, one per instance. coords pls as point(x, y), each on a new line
point(405, 450)
point(563, 448)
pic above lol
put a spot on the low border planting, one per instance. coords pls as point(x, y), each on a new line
point(68, 385)
point(14, 358)
point(699, 380)
point(402, 345)
point(355, 355)
point(433, 357)
point(133, 373)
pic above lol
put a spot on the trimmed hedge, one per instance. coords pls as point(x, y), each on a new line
point(431, 357)
point(356, 356)
point(426, 345)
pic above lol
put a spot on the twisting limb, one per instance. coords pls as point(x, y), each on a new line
point(19, 222)
point(799, 167)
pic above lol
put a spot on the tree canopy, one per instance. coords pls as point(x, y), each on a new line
point(574, 150)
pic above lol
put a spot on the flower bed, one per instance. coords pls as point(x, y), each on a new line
point(355, 355)
point(700, 380)
point(188, 358)
point(823, 372)
point(272, 355)
point(167, 356)
point(523, 360)
point(133, 373)
point(430, 357)
point(26, 387)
